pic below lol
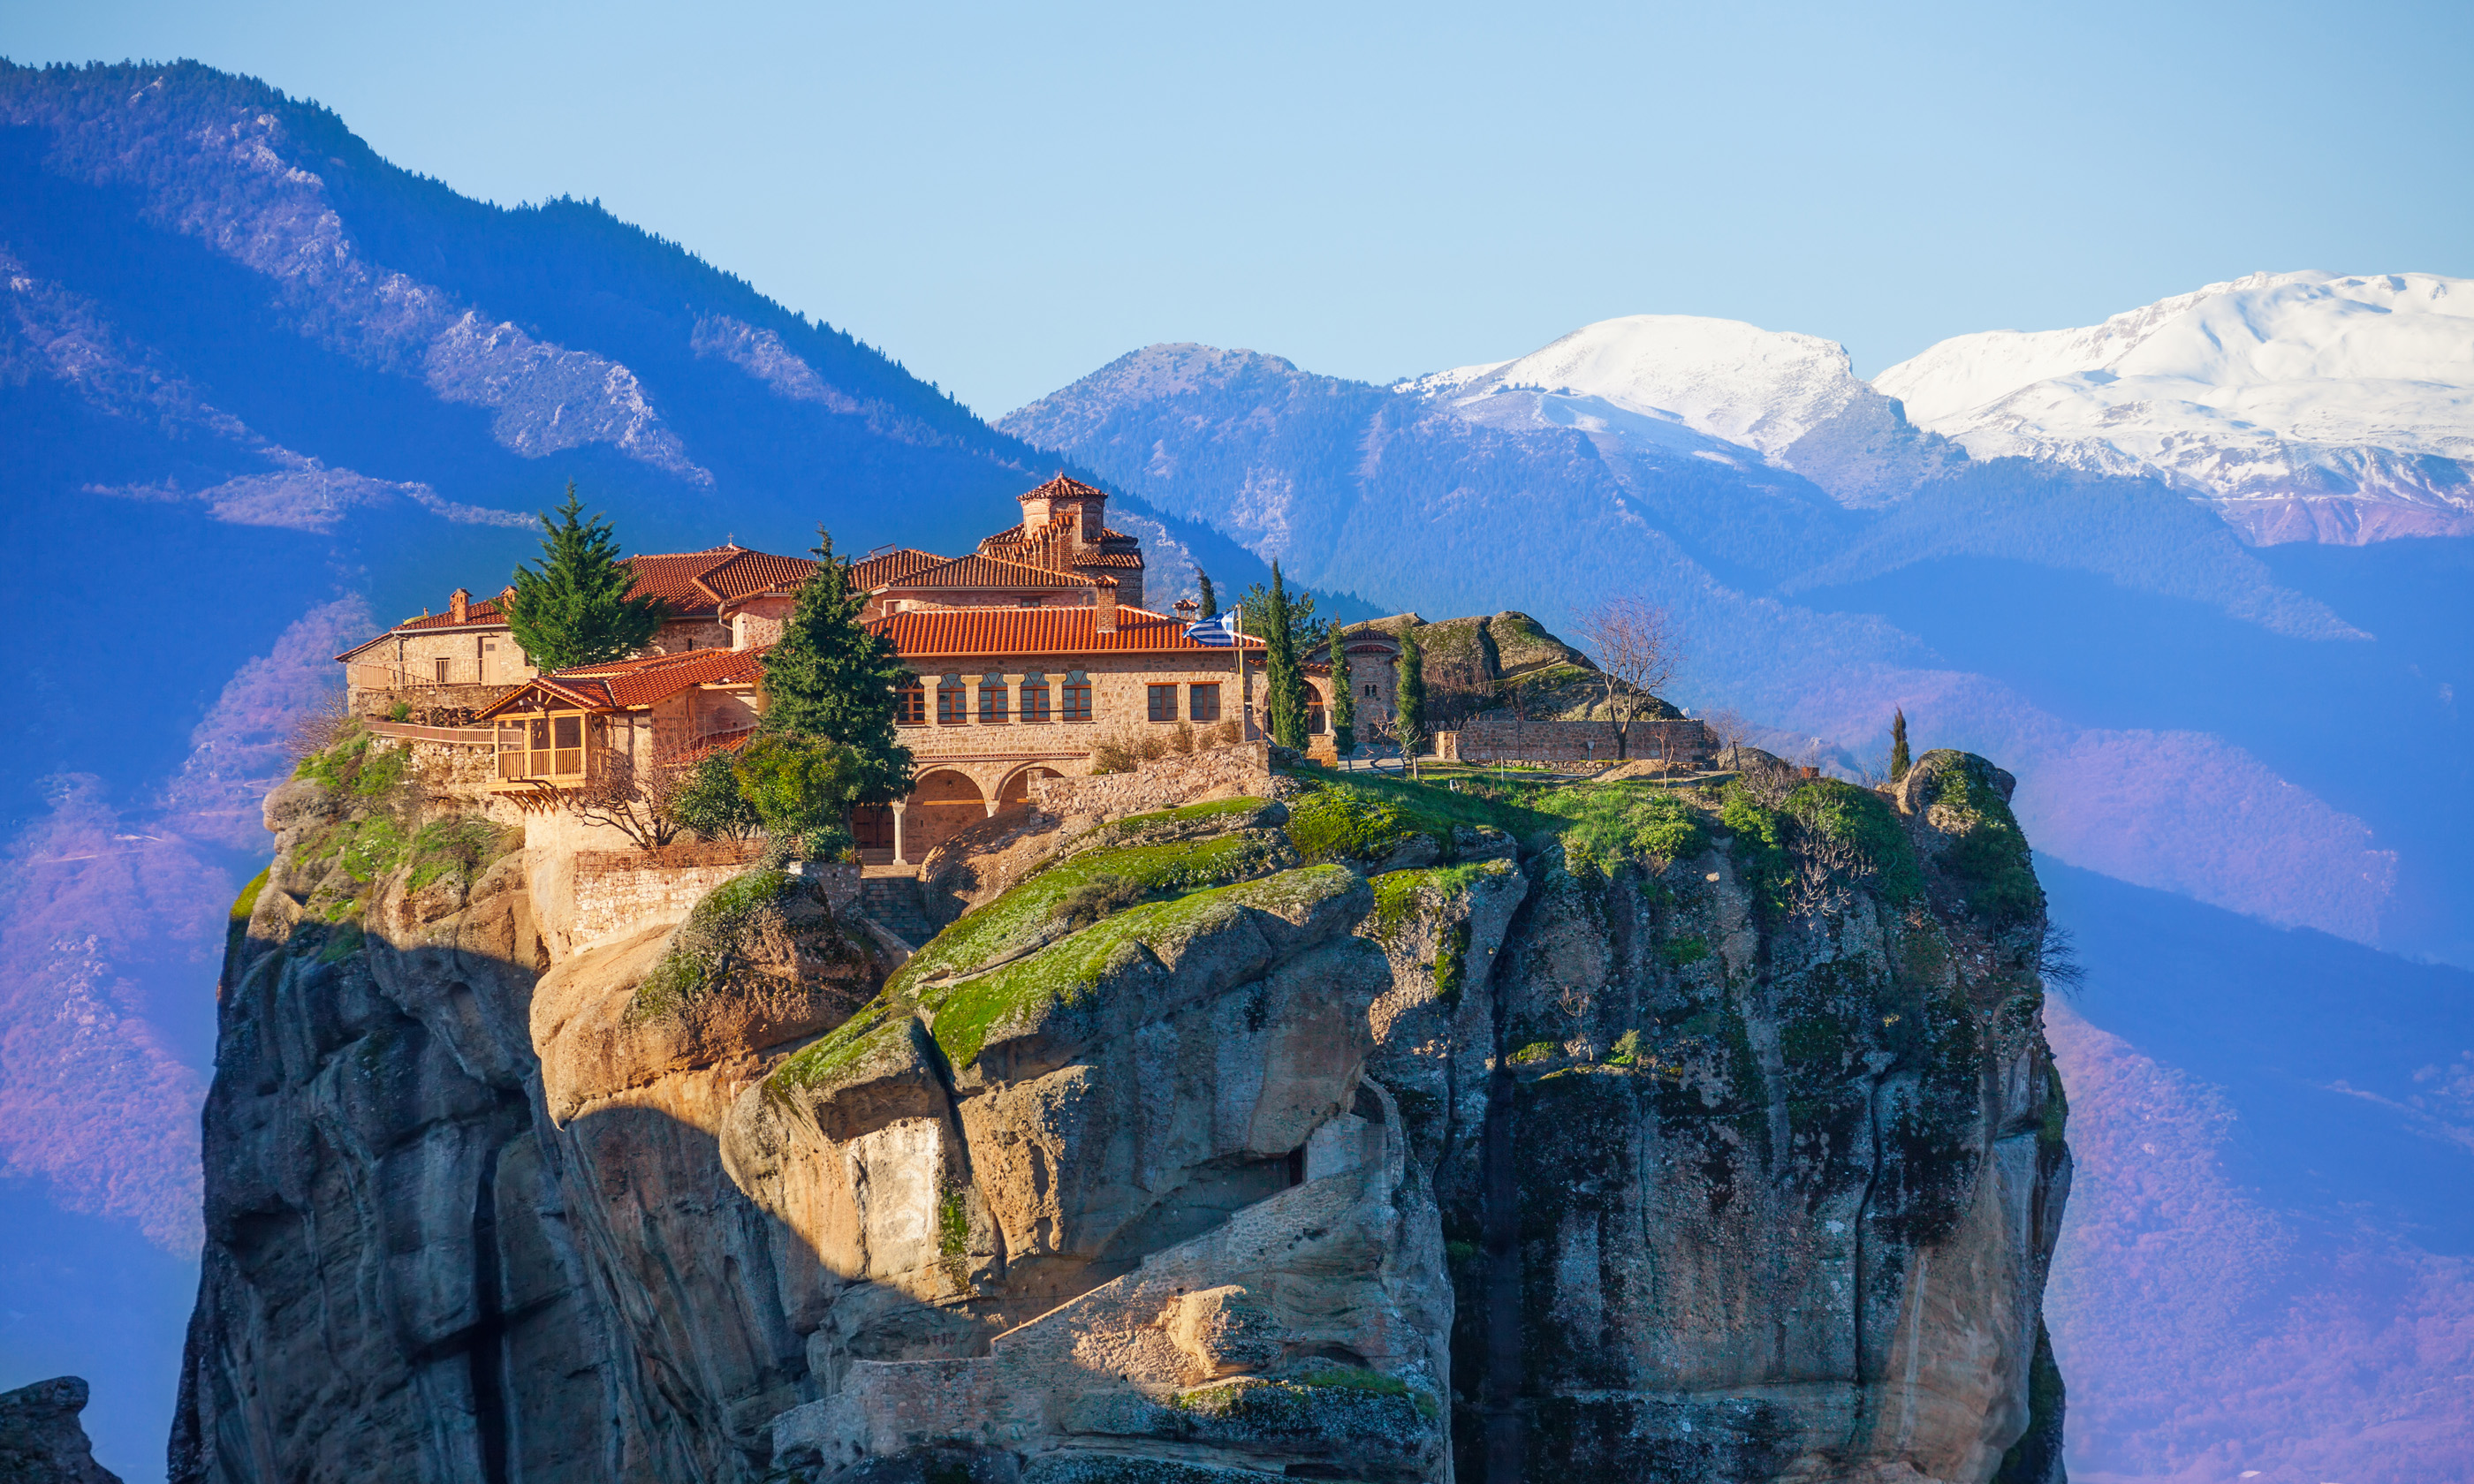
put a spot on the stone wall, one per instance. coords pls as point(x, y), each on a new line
point(616, 893)
point(1240, 771)
point(1483, 741)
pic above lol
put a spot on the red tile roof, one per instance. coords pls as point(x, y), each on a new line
point(990, 572)
point(1064, 487)
point(629, 685)
point(699, 582)
point(870, 573)
point(957, 633)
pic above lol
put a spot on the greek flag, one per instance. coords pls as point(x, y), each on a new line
point(1218, 633)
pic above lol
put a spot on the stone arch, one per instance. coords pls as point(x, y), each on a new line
point(1015, 792)
point(942, 803)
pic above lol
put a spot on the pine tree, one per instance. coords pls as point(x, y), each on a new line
point(1343, 698)
point(1211, 599)
point(576, 610)
point(1285, 695)
point(833, 680)
point(1898, 745)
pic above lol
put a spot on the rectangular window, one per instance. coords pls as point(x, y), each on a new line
point(992, 703)
point(1034, 703)
point(1203, 703)
point(537, 747)
point(441, 672)
point(567, 742)
point(911, 705)
point(953, 705)
point(1078, 701)
point(1163, 703)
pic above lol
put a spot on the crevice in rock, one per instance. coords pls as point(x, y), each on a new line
point(485, 1345)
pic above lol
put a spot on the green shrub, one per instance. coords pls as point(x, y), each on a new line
point(802, 788)
point(1866, 822)
point(709, 803)
point(1990, 856)
point(1097, 897)
point(460, 846)
point(1537, 1051)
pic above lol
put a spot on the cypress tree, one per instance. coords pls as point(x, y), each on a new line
point(576, 610)
point(1409, 697)
point(1343, 698)
point(831, 679)
point(1211, 599)
point(1898, 745)
point(1284, 684)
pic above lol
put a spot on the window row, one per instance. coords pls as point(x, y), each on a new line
point(1032, 700)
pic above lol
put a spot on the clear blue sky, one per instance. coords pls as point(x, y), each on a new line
point(1005, 198)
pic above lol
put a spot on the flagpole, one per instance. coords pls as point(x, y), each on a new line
point(1245, 701)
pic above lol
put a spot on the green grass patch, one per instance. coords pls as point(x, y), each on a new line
point(1069, 972)
point(1683, 951)
point(821, 1061)
point(460, 845)
point(1022, 913)
point(1536, 1051)
point(1209, 809)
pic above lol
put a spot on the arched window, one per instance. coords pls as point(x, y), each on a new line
point(953, 702)
point(1078, 697)
point(992, 698)
point(910, 702)
point(1034, 698)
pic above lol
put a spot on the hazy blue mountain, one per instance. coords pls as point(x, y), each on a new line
point(261, 392)
point(2251, 755)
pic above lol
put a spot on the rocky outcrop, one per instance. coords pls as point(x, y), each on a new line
point(41, 1440)
point(1341, 1129)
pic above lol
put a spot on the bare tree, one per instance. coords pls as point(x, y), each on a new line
point(636, 802)
point(1726, 724)
point(1404, 732)
point(1638, 651)
point(319, 728)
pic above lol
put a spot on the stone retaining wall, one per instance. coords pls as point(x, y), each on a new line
point(1591, 741)
point(616, 893)
point(1239, 771)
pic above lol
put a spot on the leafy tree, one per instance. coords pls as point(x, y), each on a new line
point(708, 801)
point(1343, 698)
point(1409, 699)
point(1285, 697)
point(576, 610)
point(1899, 758)
point(802, 787)
point(832, 678)
point(1211, 599)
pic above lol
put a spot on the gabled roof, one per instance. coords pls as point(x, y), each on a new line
point(869, 573)
point(631, 684)
point(976, 632)
point(481, 616)
point(1064, 487)
point(695, 583)
point(991, 572)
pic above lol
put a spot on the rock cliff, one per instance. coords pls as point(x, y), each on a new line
point(1245, 1121)
point(42, 1442)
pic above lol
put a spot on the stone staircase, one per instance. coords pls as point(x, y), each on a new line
point(891, 901)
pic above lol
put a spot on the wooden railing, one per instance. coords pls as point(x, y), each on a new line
point(414, 673)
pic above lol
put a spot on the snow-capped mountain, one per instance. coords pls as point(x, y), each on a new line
point(2303, 406)
point(1714, 388)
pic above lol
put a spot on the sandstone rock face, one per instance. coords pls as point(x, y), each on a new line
point(1332, 1131)
point(41, 1440)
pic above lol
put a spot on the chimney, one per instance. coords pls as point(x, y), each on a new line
point(459, 606)
point(1187, 608)
point(1106, 598)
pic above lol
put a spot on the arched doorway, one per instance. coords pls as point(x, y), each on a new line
point(942, 805)
point(1016, 792)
